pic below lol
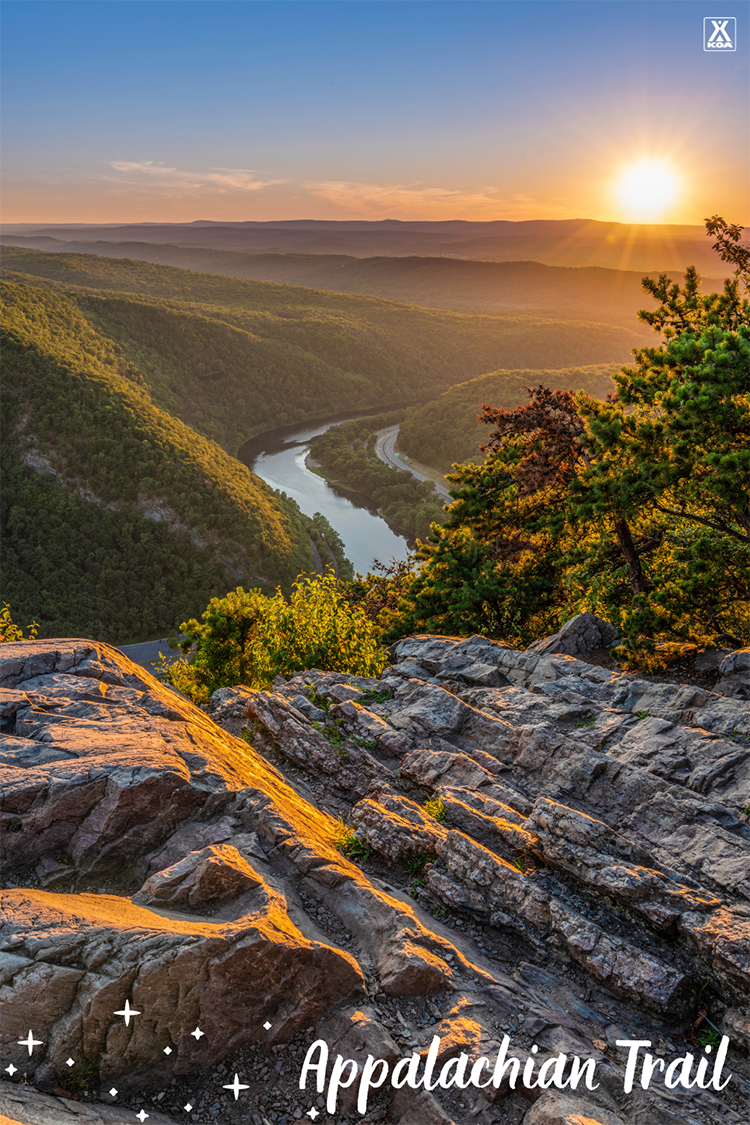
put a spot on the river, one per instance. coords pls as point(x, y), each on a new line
point(278, 458)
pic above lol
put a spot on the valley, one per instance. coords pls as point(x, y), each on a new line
point(130, 387)
point(366, 534)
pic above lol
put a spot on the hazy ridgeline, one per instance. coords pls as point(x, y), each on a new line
point(567, 242)
point(300, 353)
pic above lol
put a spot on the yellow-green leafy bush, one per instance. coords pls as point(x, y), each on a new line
point(249, 638)
point(9, 631)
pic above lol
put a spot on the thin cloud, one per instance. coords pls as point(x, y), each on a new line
point(161, 175)
point(406, 199)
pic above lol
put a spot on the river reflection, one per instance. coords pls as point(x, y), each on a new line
point(280, 462)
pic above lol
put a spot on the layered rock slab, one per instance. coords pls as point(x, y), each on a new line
point(111, 779)
point(646, 818)
point(70, 962)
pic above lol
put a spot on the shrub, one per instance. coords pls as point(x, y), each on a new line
point(249, 638)
point(9, 631)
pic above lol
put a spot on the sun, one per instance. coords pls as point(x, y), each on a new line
point(647, 190)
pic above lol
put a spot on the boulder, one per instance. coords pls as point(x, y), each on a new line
point(70, 963)
point(213, 875)
point(411, 970)
point(583, 633)
point(396, 827)
point(23, 1105)
point(734, 675)
point(354, 1033)
point(422, 1109)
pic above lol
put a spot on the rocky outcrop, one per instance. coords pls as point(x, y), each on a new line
point(561, 1109)
point(213, 875)
point(482, 843)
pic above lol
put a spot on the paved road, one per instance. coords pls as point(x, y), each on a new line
point(385, 447)
point(147, 653)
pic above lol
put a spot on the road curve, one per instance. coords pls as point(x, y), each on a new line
point(147, 653)
point(385, 448)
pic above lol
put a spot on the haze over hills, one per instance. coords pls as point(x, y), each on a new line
point(245, 356)
point(594, 292)
point(571, 242)
point(129, 384)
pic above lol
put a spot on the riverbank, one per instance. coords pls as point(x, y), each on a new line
point(256, 445)
point(280, 460)
point(347, 455)
point(315, 467)
point(385, 449)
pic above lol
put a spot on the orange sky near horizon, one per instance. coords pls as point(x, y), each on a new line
point(175, 112)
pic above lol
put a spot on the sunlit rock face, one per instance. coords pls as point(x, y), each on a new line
point(483, 842)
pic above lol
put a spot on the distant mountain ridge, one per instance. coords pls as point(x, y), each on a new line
point(511, 226)
point(574, 242)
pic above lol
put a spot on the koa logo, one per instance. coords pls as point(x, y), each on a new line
point(720, 33)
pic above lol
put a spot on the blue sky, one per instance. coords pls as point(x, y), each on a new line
point(150, 110)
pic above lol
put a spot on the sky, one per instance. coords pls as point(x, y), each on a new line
point(172, 111)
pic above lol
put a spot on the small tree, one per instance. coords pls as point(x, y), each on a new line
point(673, 444)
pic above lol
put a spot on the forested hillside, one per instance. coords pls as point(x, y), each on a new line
point(634, 507)
point(128, 385)
point(448, 430)
point(119, 520)
point(244, 356)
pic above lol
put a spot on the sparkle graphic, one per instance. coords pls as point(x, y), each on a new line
point(113, 1092)
point(167, 1050)
point(197, 1034)
point(312, 1113)
point(127, 1012)
point(142, 1116)
point(267, 1025)
point(187, 1107)
point(30, 1042)
point(70, 1062)
point(11, 1070)
point(236, 1087)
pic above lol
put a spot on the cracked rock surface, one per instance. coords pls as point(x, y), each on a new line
point(484, 842)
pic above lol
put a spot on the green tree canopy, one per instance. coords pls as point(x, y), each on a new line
point(635, 507)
